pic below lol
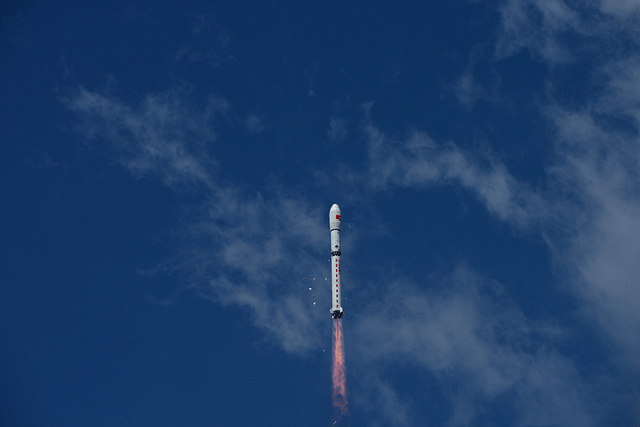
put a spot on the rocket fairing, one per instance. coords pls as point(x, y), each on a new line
point(336, 278)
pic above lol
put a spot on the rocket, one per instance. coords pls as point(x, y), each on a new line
point(336, 279)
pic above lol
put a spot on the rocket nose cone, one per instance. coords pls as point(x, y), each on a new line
point(334, 217)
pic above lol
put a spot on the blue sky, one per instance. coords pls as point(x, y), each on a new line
point(167, 169)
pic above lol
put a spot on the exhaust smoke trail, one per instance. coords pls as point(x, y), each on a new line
point(339, 370)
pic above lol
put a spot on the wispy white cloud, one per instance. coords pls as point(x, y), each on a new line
point(247, 251)
point(618, 7)
point(160, 137)
point(254, 124)
point(466, 89)
point(622, 94)
point(597, 191)
point(337, 128)
point(382, 398)
point(163, 302)
point(537, 25)
point(598, 170)
point(560, 31)
point(419, 161)
point(478, 347)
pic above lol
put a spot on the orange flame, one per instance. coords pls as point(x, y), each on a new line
point(339, 370)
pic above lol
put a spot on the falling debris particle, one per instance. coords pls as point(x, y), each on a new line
point(314, 303)
point(309, 288)
point(314, 278)
point(304, 278)
point(325, 278)
point(335, 422)
point(314, 296)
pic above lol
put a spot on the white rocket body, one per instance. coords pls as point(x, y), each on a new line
point(335, 223)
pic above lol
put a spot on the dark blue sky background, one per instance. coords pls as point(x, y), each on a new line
point(166, 172)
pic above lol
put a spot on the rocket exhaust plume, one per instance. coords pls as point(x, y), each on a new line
point(339, 370)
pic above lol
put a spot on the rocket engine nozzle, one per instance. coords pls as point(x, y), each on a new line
point(337, 313)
